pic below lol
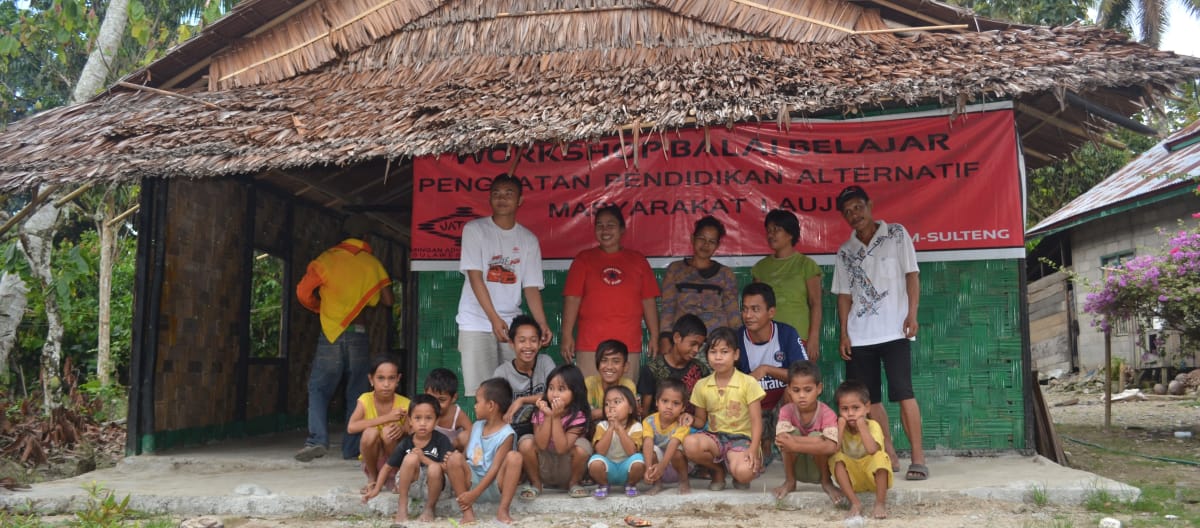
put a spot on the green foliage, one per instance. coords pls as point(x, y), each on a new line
point(112, 398)
point(75, 281)
point(1053, 186)
point(1100, 500)
point(1038, 496)
point(1041, 12)
point(103, 509)
point(266, 306)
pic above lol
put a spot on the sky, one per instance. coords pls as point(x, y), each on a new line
point(1183, 33)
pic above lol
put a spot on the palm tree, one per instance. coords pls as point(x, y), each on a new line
point(1148, 16)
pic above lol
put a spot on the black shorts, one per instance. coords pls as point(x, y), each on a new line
point(896, 357)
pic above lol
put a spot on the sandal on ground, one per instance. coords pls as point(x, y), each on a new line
point(578, 492)
point(631, 491)
point(716, 485)
point(917, 472)
point(527, 492)
point(741, 485)
point(601, 492)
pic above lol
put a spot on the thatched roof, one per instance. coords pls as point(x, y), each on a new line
point(342, 82)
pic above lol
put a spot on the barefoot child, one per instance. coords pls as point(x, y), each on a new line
point(612, 360)
point(676, 362)
point(806, 433)
point(617, 460)
point(442, 384)
point(861, 464)
point(557, 451)
point(381, 431)
point(490, 469)
point(728, 409)
point(420, 454)
point(663, 433)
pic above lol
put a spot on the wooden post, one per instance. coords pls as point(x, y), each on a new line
point(1107, 374)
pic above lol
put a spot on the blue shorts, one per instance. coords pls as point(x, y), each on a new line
point(618, 472)
point(490, 493)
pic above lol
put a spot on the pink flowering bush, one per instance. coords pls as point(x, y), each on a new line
point(1165, 284)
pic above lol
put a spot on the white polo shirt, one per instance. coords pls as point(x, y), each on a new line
point(873, 276)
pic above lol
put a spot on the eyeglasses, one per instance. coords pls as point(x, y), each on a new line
point(706, 241)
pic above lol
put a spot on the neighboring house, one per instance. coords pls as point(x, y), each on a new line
point(258, 135)
point(1133, 211)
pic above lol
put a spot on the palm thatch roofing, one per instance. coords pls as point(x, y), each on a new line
point(289, 85)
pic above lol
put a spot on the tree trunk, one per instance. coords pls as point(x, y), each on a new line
point(108, 245)
point(99, 64)
point(37, 243)
point(12, 310)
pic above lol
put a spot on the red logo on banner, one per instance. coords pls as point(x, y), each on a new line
point(953, 182)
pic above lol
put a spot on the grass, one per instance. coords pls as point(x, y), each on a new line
point(1038, 496)
point(1151, 508)
point(1056, 522)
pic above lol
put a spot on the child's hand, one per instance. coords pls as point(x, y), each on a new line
point(686, 419)
point(841, 422)
point(512, 411)
point(755, 455)
point(370, 494)
point(466, 500)
point(558, 408)
point(784, 441)
point(396, 414)
point(654, 473)
point(543, 406)
point(393, 432)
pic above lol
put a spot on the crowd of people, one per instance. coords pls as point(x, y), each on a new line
point(731, 380)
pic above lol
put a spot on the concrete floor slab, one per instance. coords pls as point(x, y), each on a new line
point(257, 476)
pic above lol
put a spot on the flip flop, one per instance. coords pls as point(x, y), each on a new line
point(637, 522)
point(917, 472)
point(601, 492)
point(716, 486)
point(526, 492)
point(578, 492)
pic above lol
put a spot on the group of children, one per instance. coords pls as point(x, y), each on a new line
point(597, 430)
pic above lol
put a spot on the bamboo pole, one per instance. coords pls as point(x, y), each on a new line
point(911, 13)
point(166, 93)
point(74, 194)
point(122, 216)
point(41, 197)
point(907, 29)
point(781, 12)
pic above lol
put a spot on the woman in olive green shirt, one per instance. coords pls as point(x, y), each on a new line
point(795, 277)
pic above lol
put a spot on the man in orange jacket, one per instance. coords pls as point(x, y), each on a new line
point(338, 285)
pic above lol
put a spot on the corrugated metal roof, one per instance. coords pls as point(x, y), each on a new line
point(1155, 171)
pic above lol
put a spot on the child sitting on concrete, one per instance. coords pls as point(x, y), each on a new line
point(807, 433)
point(442, 384)
point(861, 464)
point(663, 433)
point(419, 456)
point(490, 469)
point(612, 360)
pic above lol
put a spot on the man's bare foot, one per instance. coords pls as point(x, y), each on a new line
point(879, 511)
point(839, 499)
point(855, 510)
point(366, 489)
point(401, 517)
point(427, 515)
point(468, 516)
point(655, 489)
point(684, 487)
point(504, 517)
point(788, 486)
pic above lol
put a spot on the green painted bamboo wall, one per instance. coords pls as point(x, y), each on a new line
point(967, 371)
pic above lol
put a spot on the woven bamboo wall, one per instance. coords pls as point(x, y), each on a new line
point(966, 365)
point(198, 345)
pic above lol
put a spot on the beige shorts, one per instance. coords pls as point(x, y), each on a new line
point(555, 469)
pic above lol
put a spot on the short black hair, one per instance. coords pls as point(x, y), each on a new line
point(760, 288)
point(497, 390)
point(709, 221)
point(725, 335)
point(804, 368)
point(689, 325)
point(442, 380)
point(523, 320)
point(612, 210)
point(785, 220)
point(428, 400)
point(852, 388)
point(506, 179)
point(671, 385)
point(850, 193)
point(609, 347)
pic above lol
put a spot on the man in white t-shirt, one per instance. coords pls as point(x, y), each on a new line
point(876, 279)
point(502, 260)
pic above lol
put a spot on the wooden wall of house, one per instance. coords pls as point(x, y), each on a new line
point(1050, 324)
point(201, 304)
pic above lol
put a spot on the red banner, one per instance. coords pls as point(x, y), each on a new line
point(954, 182)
